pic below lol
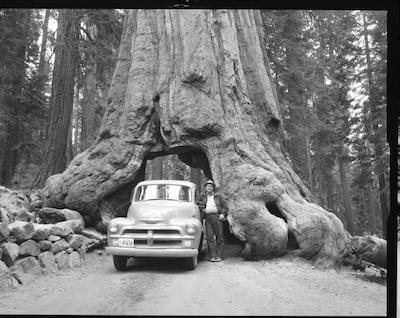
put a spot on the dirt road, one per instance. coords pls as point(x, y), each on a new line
point(285, 286)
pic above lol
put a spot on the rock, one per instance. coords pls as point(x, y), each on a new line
point(41, 231)
point(15, 204)
point(47, 261)
point(4, 216)
point(5, 276)
point(21, 230)
point(76, 241)
point(26, 269)
point(4, 232)
point(54, 238)
point(75, 225)
point(59, 246)
point(69, 250)
point(68, 237)
point(29, 248)
point(82, 253)
point(61, 229)
point(62, 260)
point(1, 253)
point(10, 252)
point(45, 245)
point(75, 260)
point(36, 201)
point(53, 215)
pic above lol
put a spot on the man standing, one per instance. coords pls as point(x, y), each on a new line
point(214, 211)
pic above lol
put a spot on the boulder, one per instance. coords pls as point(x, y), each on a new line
point(61, 229)
point(26, 270)
point(4, 232)
point(4, 216)
point(41, 231)
point(76, 241)
point(5, 276)
point(59, 246)
point(75, 225)
point(75, 260)
point(47, 261)
point(54, 238)
point(53, 215)
point(21, 230)
point(36, 201)
point(29, 248)
point(45, 245)
point(62, 260)
point(10, 252)
point(69, 250)
point(15, 204)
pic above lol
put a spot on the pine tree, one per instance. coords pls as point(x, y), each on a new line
point(62, 92)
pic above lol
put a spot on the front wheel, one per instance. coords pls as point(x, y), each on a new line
point(191, 263)
point(120, 262)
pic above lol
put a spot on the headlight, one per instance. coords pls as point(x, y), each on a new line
point(191, 228)
point(113, 227)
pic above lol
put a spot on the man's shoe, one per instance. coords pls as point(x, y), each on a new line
point(212, 259)
point(218, 259)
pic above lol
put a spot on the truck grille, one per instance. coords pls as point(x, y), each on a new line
point(156, 238)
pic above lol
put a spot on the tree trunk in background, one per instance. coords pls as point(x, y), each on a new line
point(195, 177)
point(346, 193)
point(42, 56)
point(374, 130)
point(371, 210)
point(157, 171)
point(62, 93)
point(9, 155)
point(77, 141)
point(297, 124)
point(88, 110)
point(69, 151)
point(201, 90)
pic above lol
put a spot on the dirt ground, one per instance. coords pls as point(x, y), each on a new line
point(284, 286)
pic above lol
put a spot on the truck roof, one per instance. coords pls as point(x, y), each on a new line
point(178, 182)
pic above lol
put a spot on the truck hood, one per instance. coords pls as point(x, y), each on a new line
point(160, 211)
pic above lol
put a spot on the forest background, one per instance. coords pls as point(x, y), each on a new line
point(329, 68)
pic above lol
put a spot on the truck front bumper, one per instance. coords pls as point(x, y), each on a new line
point(147, 252)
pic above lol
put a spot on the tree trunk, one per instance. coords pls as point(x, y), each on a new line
point(62, 93)
point(194, 83)
point(157, 168)
point(374, 130)
point(371, 210)
point(9, 156)
point(42, 56)
point(88, 110)
point(195, 177)
point(346, 193)
point(77, 140)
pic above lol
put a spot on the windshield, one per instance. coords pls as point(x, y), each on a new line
point(163, 192)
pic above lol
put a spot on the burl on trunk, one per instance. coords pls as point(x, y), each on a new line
point(196, 83)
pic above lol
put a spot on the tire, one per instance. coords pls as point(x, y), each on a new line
point(120, 262)
point(191, 263)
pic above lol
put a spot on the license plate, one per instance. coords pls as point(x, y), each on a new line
point(126, 242)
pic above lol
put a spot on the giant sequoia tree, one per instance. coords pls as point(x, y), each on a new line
point(196, 83)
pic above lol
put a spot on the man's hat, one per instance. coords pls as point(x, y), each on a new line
point(210, 182)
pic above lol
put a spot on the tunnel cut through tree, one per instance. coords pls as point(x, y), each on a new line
point(197, 83)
